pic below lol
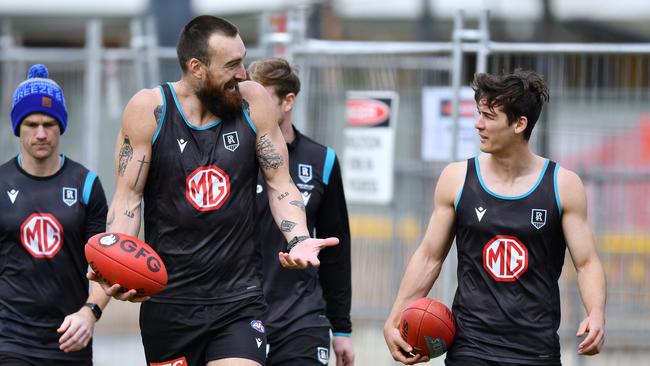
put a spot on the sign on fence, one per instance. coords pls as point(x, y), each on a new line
point(369, 149)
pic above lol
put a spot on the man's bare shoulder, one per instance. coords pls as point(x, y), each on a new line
point(142, 113)
point(451, 181)
point(571, 188)
point(145, 98)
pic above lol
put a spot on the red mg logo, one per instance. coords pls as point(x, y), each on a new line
point(42, 235)
point(505, 258)
point(207, 188)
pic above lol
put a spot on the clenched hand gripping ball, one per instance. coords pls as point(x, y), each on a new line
point(428, 326)
point(127, 261)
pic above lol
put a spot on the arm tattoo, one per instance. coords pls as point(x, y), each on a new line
point(142, 163)
point(110, 220)
point(283, 195)
point(157, 113)
point(129, 213)
point(298, 204)
point(287, 225)
point(267, 154)
point(126, 154)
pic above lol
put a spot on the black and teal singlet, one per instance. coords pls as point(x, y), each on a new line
point(510, 256)
point(199, 206)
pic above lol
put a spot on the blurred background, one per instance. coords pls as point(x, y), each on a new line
point(417, 57)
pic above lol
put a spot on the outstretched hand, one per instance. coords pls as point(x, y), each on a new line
point(115, 291)
point(305, 253)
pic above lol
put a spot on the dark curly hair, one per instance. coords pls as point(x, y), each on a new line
point(520, 93)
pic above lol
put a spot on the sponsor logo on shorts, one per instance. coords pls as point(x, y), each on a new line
point(177, 362)
point(257, 325)
point(323, 355)
point(42, 235)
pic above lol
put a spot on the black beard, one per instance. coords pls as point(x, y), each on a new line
point(221, 104)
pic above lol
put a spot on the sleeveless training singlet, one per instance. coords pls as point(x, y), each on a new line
point(510, 256)
point(199, 208)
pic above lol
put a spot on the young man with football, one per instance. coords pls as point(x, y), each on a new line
point(50, 206)
point(513, 214)
point(190, 151)
point(304, 305)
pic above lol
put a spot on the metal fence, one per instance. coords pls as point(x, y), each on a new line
point(597, 123)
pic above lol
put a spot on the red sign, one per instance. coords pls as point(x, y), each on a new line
point(366, 112)
point(505, 258)
point(42, 235)
point(207, 188)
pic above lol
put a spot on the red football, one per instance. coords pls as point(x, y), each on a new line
point(127, 261)
point(428, 326)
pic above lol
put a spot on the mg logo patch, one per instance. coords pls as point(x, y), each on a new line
point(69, 195)
point(304, 172)
point(207, 188)
point(505, 258)
point(42, 235)
point(231, 141)
point(323, 355)
point(538, 218)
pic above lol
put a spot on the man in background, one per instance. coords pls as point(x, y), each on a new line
point(50, 207)
point(304, 305)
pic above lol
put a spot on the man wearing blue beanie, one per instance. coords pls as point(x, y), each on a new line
point(38, 94)
point(49, 207)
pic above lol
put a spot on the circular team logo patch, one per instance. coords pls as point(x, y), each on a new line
point(42, 235)
point(207, 188)
point(505, 258)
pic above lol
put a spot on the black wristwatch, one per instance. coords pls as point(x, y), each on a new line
point(97, 311)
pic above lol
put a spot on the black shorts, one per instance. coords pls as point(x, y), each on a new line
point(466, 360)
point(305, 347)
point(14, 359)
point(197, 334)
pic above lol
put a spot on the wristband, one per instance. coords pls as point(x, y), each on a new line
point(341, 334)
point(296, 239)
point(97, 311)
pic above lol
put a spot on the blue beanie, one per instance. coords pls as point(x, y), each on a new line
point(38, 94)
